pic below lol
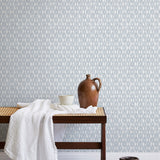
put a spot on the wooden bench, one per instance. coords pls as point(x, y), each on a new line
point(98, 117)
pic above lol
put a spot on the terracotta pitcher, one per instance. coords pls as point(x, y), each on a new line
point(88, 92)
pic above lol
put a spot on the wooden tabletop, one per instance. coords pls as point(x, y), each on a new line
point(98, 117)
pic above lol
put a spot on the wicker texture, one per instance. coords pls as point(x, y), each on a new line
point(8, 111)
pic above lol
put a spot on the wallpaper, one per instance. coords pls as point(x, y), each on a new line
point(48, 47)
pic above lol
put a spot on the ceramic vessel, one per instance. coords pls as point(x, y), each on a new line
point(88, 92)
point(66, 99)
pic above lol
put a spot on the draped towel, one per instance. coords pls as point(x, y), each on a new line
point(31, 133)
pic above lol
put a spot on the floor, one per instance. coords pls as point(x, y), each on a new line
point(3, 156)
point(96, 156)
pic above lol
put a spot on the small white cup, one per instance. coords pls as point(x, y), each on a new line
point(66, 99)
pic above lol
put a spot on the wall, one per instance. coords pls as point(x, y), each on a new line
point(47, 48)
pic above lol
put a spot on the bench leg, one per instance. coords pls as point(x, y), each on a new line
point(2, 144)
point(103, 140)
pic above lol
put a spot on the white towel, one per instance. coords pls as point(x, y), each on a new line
point(31, 134)
point(73, 108)
point(59, 128)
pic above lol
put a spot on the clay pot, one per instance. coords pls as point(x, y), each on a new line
point(88, 92)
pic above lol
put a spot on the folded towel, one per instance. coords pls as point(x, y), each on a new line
point(31, 133)
point(68, 108)
point(73, 108)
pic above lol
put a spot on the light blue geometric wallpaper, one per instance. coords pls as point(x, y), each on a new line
point(47, 48)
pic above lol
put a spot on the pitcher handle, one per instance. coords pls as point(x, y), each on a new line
point(100, 84)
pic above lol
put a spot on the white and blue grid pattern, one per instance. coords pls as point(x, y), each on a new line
point(47, 48)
